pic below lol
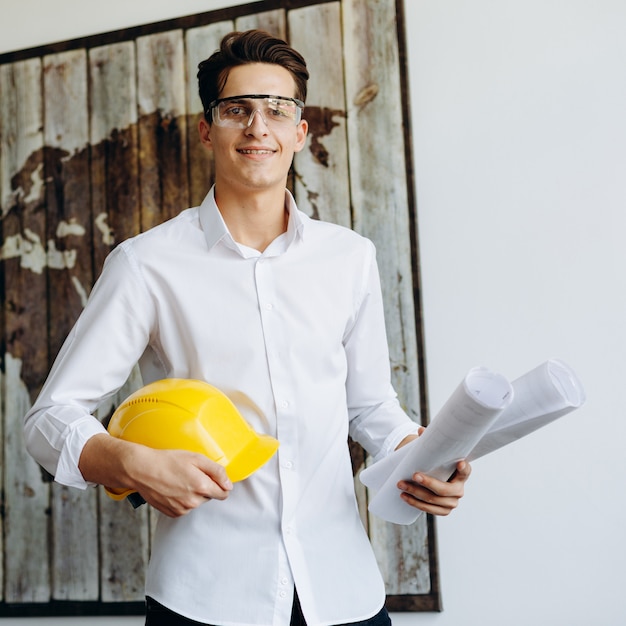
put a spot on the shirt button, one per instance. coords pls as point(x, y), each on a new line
point(284, 581)
point(284, 404)
point(269, 306)
point(283, 594)
point(288, 464)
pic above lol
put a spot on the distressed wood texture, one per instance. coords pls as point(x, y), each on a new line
point(380, 208)
point(322, 175)
point(123, 533)
point(74, 530)
point(26, 497)
point(114, 147)
point(162, 126)
point(99, 141)
point(273, 22)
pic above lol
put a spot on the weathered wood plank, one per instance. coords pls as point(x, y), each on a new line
point(124, 531)
point(68, 189)
point(273, 22)
point(114, 147)
point(23, 217)
point(26, 495)
point(381, 212)
point(27, 573)
point(378, 174)
point(200, 44)
point(74, 517)
point(322, 179)
point(162, 127)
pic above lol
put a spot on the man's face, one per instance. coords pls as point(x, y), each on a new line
point(258, 157)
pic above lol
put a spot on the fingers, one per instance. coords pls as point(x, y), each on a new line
point(435, 496)
point(184, 481)
point(218, 485)
point(462, 473)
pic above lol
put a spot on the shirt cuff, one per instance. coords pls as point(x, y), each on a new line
point(67, 469)
point(395, 437)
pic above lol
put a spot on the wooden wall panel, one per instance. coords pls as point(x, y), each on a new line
point(98, 141)
point(322, 174)
point(273, 21)
point(114, 146)
point(26, 496)
point(123, 532)
point(74, 537)
point(162, 126)
point(26, 510)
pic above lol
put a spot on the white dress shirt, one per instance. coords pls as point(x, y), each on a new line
point(295, 336)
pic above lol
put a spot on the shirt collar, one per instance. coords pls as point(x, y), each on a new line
point(215, 229)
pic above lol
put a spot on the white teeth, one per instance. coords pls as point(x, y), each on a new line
point(255, 151)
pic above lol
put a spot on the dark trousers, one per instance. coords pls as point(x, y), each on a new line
point(158, 615)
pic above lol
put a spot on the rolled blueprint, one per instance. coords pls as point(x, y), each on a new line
point(485, 413)
point(477, 402)
point(542, 395)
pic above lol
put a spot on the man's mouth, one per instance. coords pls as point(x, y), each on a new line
point(254, 151)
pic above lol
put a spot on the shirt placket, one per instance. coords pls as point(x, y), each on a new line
point(276, 348)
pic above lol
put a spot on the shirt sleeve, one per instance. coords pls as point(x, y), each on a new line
point(377, 421)
point(95, 360)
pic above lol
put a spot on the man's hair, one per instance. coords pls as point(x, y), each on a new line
point(241, 48)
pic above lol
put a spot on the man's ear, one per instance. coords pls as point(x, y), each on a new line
point(204, 129)
point(302, 130)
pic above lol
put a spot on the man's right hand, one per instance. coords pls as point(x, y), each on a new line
point(173, 481)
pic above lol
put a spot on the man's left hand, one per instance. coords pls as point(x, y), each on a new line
point(435, 496)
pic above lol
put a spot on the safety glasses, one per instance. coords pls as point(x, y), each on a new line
point(238, 111)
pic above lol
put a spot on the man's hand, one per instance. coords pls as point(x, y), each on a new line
point(177, 481)
point(431, 495)
point(172, 481)
point(435, 496)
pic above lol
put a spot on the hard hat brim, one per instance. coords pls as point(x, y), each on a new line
point(256, 454)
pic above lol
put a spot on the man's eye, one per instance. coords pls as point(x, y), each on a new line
point(283, 112)
point(235, 110)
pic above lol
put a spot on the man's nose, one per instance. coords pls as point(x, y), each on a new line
point(251, 118)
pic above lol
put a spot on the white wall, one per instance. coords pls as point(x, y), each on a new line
point(520, 147)
point(520, 157)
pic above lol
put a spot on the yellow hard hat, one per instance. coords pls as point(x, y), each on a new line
point(184, 414)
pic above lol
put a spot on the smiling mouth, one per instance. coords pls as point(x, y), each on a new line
point(253, 151)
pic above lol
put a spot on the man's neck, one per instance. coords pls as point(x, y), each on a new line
point(254, 220)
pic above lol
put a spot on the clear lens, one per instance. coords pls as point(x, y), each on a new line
point(238, 111)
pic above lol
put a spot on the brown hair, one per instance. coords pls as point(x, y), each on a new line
point(241, 48)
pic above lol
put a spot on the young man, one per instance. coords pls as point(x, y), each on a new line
point(250, 295)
